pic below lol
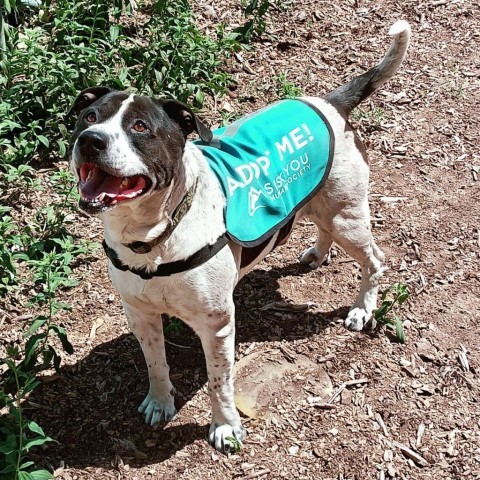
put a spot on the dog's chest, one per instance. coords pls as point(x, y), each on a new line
point(184, 295)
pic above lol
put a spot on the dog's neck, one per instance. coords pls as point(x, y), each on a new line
point(147, 218)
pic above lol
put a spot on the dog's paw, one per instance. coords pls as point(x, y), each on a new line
point(225, 438)
point(310, 257)
point(155, 411)
point(357, 318)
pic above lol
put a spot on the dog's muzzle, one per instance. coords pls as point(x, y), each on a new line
point(100, 186)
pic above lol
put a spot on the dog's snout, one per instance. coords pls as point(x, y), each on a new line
point(92, 141)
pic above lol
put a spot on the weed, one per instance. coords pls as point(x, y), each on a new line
point(372, 119)
point(237, 446)
point(256, 13)
point(19, 378)
point(286, 89)
point(396, 294)
point(174, 325)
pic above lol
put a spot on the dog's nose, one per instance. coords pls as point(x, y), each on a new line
point(92, 141)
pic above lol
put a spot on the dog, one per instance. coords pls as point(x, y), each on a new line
point(163, 212)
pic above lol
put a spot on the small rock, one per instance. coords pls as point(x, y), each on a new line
point(302, 15)
point(426, 351)
point(210, 11)
point(388, 455)
point(293, 450)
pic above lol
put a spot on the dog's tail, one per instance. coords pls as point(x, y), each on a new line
point(348, 96)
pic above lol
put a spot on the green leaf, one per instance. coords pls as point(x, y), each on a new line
point(22, 475)
point(41, 475)
point(31, 347)
point(36, 324)
point(62, 335)
point(6, 449)
point(399, 330)
point(36, 441)
point(35, 427)
point(114, 31)
point(26, 465)
point(43, 140)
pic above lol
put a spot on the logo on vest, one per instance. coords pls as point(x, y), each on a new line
point(253, 198)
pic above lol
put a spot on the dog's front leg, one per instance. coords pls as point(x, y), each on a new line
point(158, 405)
point(217, 334)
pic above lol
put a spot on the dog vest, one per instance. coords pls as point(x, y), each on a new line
point(269, 164)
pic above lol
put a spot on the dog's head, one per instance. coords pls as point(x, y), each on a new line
point(125, 146)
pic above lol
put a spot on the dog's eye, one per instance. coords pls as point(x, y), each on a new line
point(91, 117)
point(139, 126)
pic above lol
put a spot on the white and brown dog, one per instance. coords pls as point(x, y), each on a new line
point(163, 213)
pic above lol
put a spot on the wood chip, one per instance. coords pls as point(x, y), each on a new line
point(462, 357)
point(380, 421)
point(409, 453)
point(420, 433)
point(260, 473)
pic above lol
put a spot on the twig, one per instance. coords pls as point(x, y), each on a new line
point(256, 474)
point(176, 344)
point(408, 452)
point(380, 421)
point(324, 406)
point(342, 387)
point(358, 381)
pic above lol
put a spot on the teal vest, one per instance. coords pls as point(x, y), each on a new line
point(269, 164)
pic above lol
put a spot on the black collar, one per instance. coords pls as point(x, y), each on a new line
point(182, 208)
point(167, 269)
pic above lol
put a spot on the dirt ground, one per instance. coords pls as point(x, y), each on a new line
point(408, 411)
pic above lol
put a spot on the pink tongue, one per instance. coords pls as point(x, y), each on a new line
point(101, 182)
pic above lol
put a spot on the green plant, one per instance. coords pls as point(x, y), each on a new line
point(396, 294)
point(286, 89)
point(9, 240)
point(20, 434)
point(372, 119)
point(255, 11)
point(237, 446)
point(174, 325)
point(51, 273)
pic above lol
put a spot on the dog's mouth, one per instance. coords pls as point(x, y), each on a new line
point(101, 191)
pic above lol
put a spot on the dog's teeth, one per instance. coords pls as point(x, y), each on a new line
point(101, 197)
point(124, 182)
point(90, 172)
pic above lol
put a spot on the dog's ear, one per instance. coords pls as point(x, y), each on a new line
point(188, 121)
point(86, 98)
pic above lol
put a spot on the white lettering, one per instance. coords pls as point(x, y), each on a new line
point(298, 138)
point(295, 164)
point(233, 185)
point(264, 164)
point(283, 146)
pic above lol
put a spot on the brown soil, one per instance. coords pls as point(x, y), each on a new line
point(422, 133)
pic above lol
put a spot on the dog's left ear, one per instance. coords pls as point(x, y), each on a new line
point(187, 120)
point(86, 98)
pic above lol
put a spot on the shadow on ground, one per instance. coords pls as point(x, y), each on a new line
point(92, 409)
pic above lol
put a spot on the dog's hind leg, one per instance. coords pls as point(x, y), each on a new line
point(319, 254)
point(217, 334)
point(158, 405)
point(351, 230)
